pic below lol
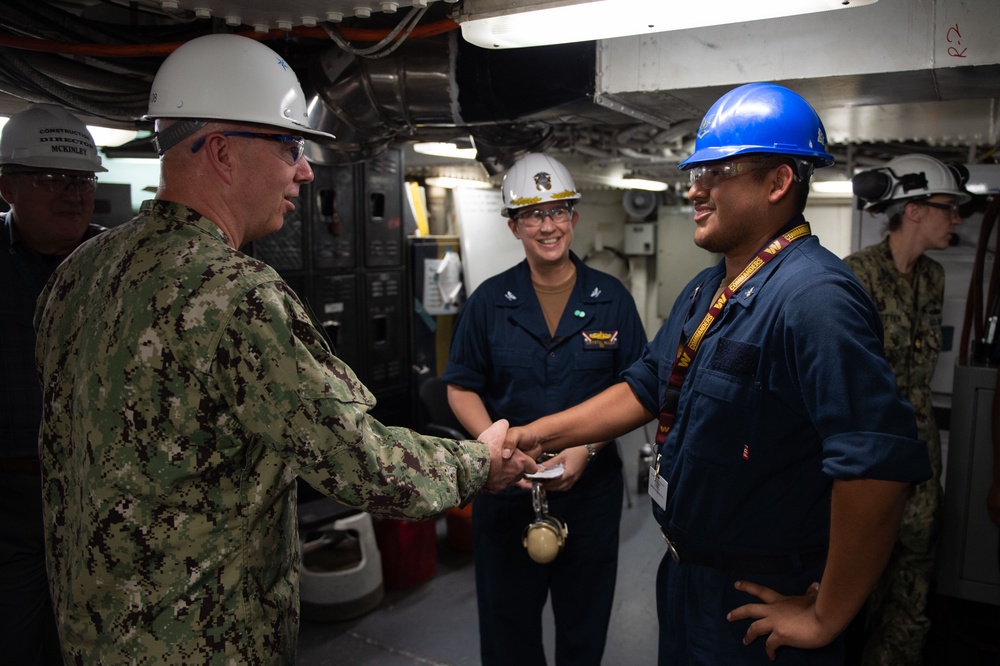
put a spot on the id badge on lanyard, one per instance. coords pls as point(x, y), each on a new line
point(657, 485)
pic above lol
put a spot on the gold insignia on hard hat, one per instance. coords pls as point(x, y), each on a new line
point(543, 181)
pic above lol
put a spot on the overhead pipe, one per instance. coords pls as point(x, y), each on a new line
point(442, 87)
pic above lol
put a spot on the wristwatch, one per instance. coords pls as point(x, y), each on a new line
point(591, 452)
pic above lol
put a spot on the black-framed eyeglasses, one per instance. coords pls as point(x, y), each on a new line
point(950, 208)
point(710, 175)
point(534, 218)
point(56, 183)
point(296, 144)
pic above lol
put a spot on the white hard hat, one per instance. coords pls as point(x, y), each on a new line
point(47, 136)
point(535, 179)
point(910, 177)
point(228, 78)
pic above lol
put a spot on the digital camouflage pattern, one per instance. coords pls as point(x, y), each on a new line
point(896, 622)
point(185, 387)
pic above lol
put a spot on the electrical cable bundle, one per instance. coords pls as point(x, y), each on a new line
point(105, 69)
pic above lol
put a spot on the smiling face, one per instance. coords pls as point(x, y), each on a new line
point(728, 212)
point(546, 232)
point(52, 208)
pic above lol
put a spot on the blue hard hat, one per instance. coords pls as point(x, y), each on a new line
point(760, 118)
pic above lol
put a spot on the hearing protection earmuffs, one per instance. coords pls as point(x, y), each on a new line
point(545, 537)
point(910, 177)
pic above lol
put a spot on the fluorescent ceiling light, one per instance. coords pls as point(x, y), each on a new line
point(642, 184)
point(109, 137)
point(832, 187)
point(450, 183)
point(445, 150)
point(491, 23)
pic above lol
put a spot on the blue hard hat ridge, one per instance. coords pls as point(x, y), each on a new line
point(760, 118)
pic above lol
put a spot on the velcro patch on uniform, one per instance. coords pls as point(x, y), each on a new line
point(736, 357)
point(600, 339)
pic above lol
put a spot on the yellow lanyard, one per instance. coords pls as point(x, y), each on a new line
point(687, 350)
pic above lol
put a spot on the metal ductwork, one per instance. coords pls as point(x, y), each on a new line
point(441, 88)
point(881, 76)
point(887, 79)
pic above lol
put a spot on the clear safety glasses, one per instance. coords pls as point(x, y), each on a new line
point(534, 218)
point(57, 183)
point(950, 208)
point(710, 175)
point(296, 145)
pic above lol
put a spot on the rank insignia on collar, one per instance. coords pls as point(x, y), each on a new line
point(600, 339)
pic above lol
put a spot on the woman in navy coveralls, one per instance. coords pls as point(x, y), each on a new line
point(538, 338)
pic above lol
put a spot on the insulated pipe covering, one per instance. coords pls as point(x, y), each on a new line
point(441, 87)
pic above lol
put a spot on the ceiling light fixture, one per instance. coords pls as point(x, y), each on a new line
point(842, 187)
point(642, 184)
point(110, 137)
point(449, 183)
point(494, 24)
point(439, 149)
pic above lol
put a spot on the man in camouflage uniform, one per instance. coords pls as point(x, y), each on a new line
point(908, 289)
point(186, 386)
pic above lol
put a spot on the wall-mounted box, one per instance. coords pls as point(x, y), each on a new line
point(640, 238)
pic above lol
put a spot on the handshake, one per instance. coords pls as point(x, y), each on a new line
point(512, 454)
